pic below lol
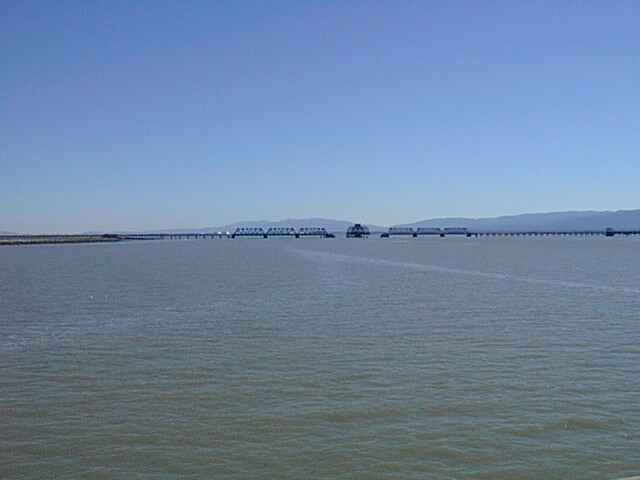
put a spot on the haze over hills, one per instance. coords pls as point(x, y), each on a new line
point(553, 221)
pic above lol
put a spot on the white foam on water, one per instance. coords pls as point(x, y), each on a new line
point(327, 257)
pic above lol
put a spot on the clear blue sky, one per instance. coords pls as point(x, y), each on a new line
point(135, 115)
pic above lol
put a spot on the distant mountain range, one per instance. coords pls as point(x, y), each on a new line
point(555, 221)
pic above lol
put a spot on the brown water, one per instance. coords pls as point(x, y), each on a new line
point(453, 358)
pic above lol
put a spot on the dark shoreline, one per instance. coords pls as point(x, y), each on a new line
point(101, 238)
point(58, 239)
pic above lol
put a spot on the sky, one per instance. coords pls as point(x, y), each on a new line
point(136, 115)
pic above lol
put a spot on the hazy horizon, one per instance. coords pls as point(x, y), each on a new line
point(570, 219)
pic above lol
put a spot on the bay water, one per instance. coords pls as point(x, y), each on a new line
point(401, 358)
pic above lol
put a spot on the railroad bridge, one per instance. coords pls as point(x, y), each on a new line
point(282, 232)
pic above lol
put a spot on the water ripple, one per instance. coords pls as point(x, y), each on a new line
point(335, 258)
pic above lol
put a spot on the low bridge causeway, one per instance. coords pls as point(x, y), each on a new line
point(258, 232)
point(402, 231)
point(120, 237)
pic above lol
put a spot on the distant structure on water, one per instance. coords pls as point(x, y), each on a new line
point(408, 231)
point(282, 232)
point(357, 231)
